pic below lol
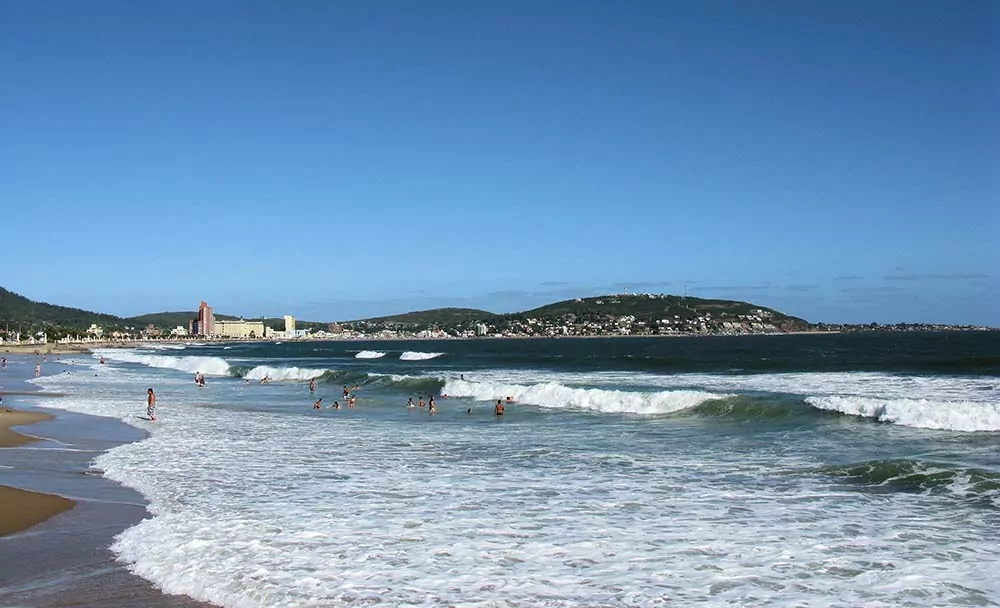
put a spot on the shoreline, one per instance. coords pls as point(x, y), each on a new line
point(23, 509)
point(10, 418)
point(62, 515)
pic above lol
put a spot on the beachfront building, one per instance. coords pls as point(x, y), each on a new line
point(289, 325)
point(240, 329)
point(95, 331)
point(206, 320)
point(179, 332)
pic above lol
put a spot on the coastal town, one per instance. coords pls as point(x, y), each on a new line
point(613, 315)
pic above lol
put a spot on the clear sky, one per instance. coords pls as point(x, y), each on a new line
point(333, 160)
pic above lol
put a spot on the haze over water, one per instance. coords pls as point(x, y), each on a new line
point(834, 469)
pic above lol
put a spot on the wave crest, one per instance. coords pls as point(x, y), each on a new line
point(210, 366)
point(918, 476)
point(283, 373)
point(411, 355)
point(963, 416)
point(554, 395)
point(369, 354)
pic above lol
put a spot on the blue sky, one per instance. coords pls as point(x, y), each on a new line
point(336, 160)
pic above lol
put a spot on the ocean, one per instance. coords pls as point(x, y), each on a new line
point(834, 470)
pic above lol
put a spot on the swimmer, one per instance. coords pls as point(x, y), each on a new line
point(335, 406)
point(352, 401)
point(318, 404)
point(498, 408)
point(312, 386)
point(151, 404)
point(420, 401)
point(409, 402)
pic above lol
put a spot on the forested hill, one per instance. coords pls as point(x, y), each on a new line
point(649, 310)
point(16, 309)
point(649, 307)
point(433, 317)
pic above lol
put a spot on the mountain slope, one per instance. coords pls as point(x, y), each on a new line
point(436, 316)
point(647, 307)
point(17, 309)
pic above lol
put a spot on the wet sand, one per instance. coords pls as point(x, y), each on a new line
point(21, 509)
point(64, 560)
point(10, 418)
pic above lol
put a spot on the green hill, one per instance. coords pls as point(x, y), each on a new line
point(649, 307)
point(16, 309)
point(436, 316)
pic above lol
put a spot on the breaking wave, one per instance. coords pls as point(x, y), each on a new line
point(920, 413)
point(745, 407)
point(369, 354)
point(417, 356)
point(210, 366)
point(283, 373)
point(920, 477)
point(164, 346)
point(555, 395)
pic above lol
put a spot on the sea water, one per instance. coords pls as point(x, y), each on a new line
point(791, 470)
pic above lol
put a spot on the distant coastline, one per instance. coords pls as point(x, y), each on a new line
point(77, 348)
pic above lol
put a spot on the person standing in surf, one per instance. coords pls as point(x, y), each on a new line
point(312, 385)
point(498, 408)
point(151, 404)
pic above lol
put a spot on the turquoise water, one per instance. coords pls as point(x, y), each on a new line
point(834, 469)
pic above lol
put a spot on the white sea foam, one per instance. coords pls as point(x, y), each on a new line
point(283, 373)
point(939, 402)
point(417, 356)
point(325, 509)
point(210, 366)
point(555, 395)
point(369, 354)
point(920, 413)
point(155, 346)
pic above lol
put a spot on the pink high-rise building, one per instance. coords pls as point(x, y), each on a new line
point(206, 320)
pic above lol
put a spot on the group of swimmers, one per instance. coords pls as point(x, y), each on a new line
point(431, 406)
point(349, 396)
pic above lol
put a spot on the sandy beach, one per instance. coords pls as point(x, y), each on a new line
point(11, 418)
point(21, 509)
point(44, 349)
point(58, 516)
